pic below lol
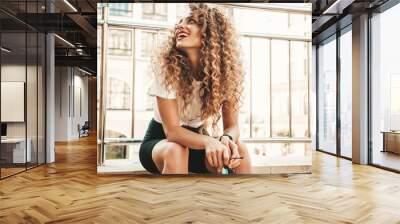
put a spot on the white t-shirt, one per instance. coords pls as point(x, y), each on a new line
point(191, 116)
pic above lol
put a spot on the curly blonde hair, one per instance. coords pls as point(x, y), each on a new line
point(220, 65)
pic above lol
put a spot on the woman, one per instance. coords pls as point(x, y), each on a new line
point(198, 75)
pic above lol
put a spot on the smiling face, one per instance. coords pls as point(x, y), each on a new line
point(188, 34)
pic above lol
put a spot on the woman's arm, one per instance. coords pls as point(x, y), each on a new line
point(230, 120)
point(168, 109)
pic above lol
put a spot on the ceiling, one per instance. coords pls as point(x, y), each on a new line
point(332, 15)
point(74, 22)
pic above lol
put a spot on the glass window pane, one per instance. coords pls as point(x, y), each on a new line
point(299, 87)
point(155, 11)
point(276, 154)
point(260, 68)
point(32, 91)
point(385, 85)
point(31, 97)
point(280, 88)
point(13, 79)
point(395, 102)
point(146, 43)
point(115, 151)
point(161, 39)
point(41, 98)
point(161, 9)
point(244, 114)
point(143, 102)
point(118, 93)
point(346, 94)
point(120, 42)
point(327, 96)
point(274, 22)
point(300, 24)
point(148, 8)
point(123, 155)
point(119, 84)
point(248, 20)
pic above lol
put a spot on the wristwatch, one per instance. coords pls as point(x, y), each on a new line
point(230, 137)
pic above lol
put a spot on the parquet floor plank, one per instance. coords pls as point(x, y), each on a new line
point(70, 191)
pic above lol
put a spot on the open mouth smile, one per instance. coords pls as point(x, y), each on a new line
point(181, 34)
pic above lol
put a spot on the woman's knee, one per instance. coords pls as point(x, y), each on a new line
point(242, 148)
point(245, 164)
point(175, 152)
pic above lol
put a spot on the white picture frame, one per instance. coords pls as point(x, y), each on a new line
point(12, 101)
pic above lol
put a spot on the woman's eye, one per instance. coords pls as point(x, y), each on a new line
point(191, 21)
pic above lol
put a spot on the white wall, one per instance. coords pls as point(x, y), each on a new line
point(71, 86)
point(79, 117)
point(62, 81)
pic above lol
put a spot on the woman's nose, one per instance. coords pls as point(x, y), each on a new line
point(181, 25)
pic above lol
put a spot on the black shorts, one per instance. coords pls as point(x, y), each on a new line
point(154, 134)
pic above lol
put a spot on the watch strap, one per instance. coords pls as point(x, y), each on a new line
point(230, 137)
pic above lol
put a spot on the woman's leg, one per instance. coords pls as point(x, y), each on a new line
point(170, 157)
point(245, 163)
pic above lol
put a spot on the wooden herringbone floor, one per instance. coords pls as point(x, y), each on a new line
point(70, 191)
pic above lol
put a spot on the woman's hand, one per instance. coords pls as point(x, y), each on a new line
point(217, 153)
point(234, 152)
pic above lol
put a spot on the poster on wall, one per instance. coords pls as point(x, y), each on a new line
point(12, 98)
point(218, 89)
